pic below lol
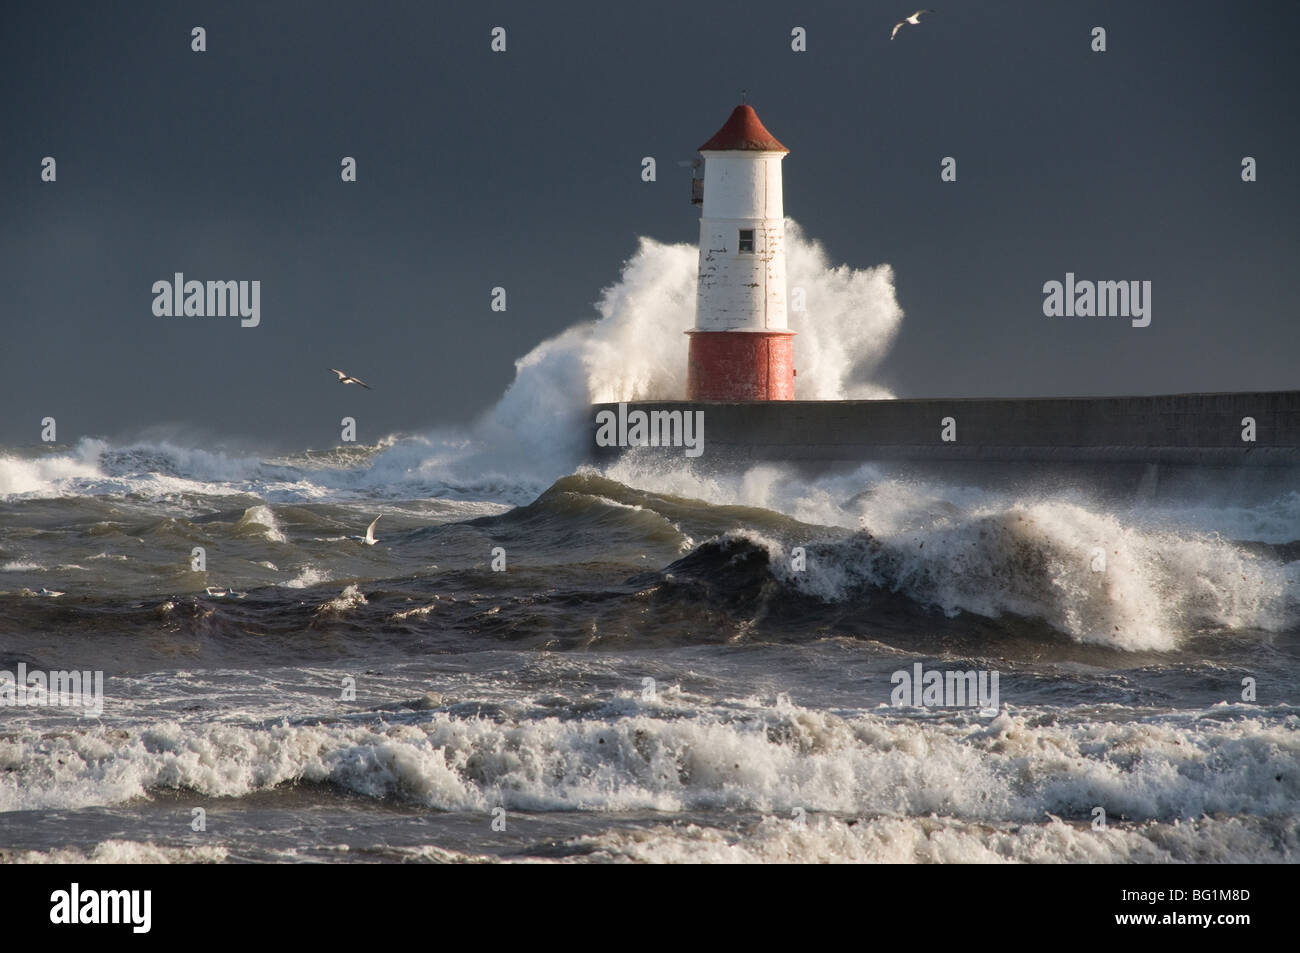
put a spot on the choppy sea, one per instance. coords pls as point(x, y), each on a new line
point(640, 663)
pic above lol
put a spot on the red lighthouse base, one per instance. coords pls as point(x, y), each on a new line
point(740, 365)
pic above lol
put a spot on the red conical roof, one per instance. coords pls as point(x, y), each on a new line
point(743, 131)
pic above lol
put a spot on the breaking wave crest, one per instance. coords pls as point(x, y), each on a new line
point(682, 753)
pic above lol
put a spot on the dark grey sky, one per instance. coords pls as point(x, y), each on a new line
point(523, 169)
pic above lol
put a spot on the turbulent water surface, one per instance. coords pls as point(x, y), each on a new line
point(675, 663)
point(767, 731)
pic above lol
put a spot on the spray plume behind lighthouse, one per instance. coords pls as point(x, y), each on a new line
point(741, 348)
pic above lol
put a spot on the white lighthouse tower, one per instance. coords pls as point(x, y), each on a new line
point(741, 349)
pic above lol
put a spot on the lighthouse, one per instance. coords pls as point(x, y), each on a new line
point(740, 348)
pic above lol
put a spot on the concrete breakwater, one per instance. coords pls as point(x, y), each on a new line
point(1214, 430)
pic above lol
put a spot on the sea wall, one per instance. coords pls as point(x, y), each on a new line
point(1180, 429)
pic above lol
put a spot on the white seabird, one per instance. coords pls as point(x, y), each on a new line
point(216, 592)
point(349, 379)
point(914, 20)
point(369, 538)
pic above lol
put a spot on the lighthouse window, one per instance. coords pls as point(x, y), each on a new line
point(747, 240)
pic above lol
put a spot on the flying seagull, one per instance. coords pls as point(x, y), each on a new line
point(349, 379)
point(216, 592)
point(914, 19)
point(369, 538)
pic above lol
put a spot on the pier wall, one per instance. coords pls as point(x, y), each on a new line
point(1185, 429)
